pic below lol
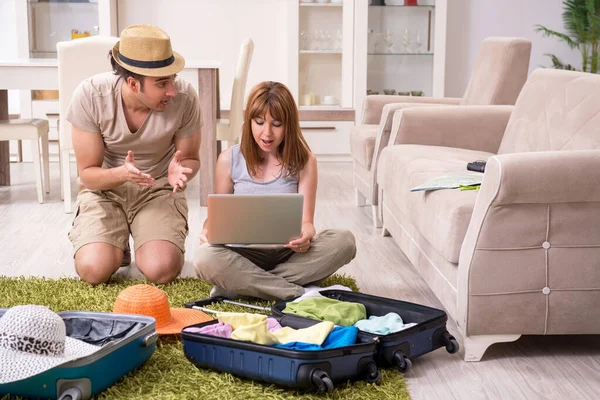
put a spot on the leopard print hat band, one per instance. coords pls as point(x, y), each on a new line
point(31, 345)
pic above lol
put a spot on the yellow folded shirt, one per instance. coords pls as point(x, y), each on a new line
point(253, 328)
point(315, 334)
point(247, 327)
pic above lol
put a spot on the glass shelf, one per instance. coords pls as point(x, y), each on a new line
point(400, 54)
point(321, 107)
point(320, 4)
point(320, 52)
point(400, 46)
point(403, 6)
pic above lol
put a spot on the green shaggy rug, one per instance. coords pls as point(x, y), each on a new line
point(168, 374)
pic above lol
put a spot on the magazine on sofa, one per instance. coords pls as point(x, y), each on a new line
point(452, 181)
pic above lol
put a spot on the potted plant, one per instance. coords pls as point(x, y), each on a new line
point(582, 24)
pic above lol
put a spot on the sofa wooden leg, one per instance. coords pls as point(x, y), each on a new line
point(361, 200)
point(376, 221)
point(475, 346)
point(384, 231)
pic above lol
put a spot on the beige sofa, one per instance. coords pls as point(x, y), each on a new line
point(522, 255)
point(498, 76)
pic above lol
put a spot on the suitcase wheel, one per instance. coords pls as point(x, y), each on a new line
point(373, 374)
point(322, 381)
point(72, 393)
point(450, 342)
point(403, 363)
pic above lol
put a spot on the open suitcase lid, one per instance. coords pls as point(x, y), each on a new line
point(422, 315)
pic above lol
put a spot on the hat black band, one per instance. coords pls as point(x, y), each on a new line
point(31, 345)
point(147, 64)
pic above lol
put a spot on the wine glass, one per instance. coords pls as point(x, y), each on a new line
point(388, 38)
point(406, 39)
point(376, 42)
point(371, 41)
point(303, 40)
point(327, 45)
point(339, 41)
point(418, 41)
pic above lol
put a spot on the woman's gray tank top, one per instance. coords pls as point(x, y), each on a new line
point(244, 184)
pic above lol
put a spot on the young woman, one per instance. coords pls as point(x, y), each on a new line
point(273, 157)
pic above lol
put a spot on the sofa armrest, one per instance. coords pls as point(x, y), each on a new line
point(373, 104)
point(467, 127)
point(386, 122)
point(534, 225)
point(567, 176)
point(383, 137)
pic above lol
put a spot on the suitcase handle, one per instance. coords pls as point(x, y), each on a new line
point(150, 339)
point(200, 304)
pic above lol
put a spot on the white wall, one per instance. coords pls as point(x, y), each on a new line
point(8, 45)
point(214, 30)
point(471, 21)
point(217, 28)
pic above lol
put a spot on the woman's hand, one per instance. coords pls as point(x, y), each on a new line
point(204, 236)
point(302, 244)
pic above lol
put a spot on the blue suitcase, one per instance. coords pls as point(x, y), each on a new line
point(127, 342)
point(292, 368)
point(399, 348)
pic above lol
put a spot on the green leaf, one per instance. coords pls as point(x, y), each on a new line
point(581, 19)
point(557, 64)
point(562, 36)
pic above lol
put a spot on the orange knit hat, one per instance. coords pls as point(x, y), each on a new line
point(153, 302)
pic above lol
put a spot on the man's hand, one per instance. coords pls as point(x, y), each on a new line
point(177, 173)
point(130, 173)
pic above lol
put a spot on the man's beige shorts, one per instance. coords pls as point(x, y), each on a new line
point(109, 216)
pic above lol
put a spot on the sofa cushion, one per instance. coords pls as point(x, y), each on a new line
point(556, 110)
point(442, 216)
point(362, 144)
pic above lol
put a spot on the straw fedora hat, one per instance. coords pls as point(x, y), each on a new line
point(33, 340)
point(146, 50)
point(151, 301)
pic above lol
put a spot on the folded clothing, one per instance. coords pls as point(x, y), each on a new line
point(341, 313)
point(219, 330)
point(340, 336)
point(389, 323)
point(255, 328)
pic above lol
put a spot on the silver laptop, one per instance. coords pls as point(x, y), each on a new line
point(254, 218)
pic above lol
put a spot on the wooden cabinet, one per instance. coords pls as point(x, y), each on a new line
point(401, 48)
point(321, 66)
point(339, 50)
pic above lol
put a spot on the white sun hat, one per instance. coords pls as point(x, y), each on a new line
point(33, 340)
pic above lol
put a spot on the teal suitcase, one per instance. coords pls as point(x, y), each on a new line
point(127, 342)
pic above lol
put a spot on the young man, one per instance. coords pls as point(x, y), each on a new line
point(136, 136)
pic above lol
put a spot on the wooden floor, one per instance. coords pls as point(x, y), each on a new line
point(33, 241)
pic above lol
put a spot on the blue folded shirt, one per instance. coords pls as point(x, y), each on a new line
point(340, 336)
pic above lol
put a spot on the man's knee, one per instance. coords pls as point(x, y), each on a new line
point(95, 266)
point(161, 269)
point(160, 261)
